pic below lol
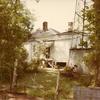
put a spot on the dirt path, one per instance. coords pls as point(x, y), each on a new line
point(17, 96)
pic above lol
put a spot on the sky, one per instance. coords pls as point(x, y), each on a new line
point(56, 12)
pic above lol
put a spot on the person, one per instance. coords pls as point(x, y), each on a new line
point(77, 69)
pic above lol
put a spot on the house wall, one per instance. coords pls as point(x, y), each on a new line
point(30, 47)
point(60, 51)
point(34, 50)
point(77, 58)
point(29, 51)
point(77, 38)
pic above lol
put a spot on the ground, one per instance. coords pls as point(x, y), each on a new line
point(43, 84)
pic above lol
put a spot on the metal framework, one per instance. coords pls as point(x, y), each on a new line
point(79, 23)
point(80, 18)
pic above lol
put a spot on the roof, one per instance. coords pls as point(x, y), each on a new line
point(51, 35)
point(45, 34)
point(68, 33)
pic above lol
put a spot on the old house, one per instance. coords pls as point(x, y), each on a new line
point(62, 48)
point(44, 37)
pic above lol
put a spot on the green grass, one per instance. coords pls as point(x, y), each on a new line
point(43, 84)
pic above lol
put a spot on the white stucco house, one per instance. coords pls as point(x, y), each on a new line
point(63, 48)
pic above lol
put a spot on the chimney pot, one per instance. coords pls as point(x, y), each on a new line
point(70, 26)
point(45, 26)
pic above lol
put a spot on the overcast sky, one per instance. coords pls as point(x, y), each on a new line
point(56, 12)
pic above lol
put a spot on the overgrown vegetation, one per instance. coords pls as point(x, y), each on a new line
point(82, 79)
point(93, 27)
point(43, 84)
point(39, 58)
point(15, 29)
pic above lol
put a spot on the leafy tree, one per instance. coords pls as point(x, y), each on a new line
point(93, 26)
point(15, 29)
point(40, 51)
point(97, 40)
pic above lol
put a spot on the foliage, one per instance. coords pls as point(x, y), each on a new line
point(15, 29)
point(39, 55)
point(93, 58)
point(83, 79)
point(40, 50)
point(83, 43)
point(43, 85)
point(34, 65)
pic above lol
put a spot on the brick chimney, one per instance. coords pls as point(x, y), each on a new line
point(70, 26)
point(45, 26)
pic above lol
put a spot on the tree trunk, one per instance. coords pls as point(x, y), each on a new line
point(57, 86)
point(14, 78)
point(97, 48)
point(97, 76)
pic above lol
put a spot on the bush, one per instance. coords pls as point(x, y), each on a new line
point(49, 94)
point(5, 74)
point(34, 65)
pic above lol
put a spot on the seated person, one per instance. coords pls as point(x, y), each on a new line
point(77, 69)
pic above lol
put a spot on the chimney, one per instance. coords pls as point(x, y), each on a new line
point(45, 26)
point(70, 26)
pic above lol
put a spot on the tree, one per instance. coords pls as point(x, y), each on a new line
point(15, 29)
point(97, 40)
point(40, 50)
point(93, 26)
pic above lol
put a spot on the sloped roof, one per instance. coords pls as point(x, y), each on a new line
point(68, 33)
point(52, 35)
point(45, 34)
point(41, 35)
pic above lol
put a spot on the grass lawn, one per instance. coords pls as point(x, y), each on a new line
point(43, 84)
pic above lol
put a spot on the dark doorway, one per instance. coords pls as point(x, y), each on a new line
point(61, 64)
